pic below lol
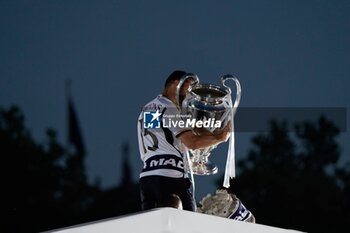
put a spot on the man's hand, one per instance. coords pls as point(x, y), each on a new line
point(226, 132)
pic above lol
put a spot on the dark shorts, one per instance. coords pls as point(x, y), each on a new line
point(156, 188)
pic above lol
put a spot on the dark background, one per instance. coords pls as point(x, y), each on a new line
point(117, 55)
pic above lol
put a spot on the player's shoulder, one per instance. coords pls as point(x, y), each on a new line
point(165, 101)
point(158, 103)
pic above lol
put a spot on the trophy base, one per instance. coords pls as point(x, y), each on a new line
point(207, 168)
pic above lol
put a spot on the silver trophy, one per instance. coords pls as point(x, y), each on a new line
point(207, 102)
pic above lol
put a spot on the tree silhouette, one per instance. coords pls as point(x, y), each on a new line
point(292, 180)
point(42, 187)
point(343, 175)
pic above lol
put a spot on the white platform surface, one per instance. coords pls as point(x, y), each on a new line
point(169, 220)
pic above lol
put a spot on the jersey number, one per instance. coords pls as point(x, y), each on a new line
point(145, 132)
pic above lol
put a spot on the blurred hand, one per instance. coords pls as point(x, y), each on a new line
point(226, 132)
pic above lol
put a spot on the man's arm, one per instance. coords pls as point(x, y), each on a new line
point(193, 141)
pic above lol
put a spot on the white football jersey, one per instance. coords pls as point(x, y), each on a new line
point(161, 151)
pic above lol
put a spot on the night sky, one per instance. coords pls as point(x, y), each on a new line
point(118, 54)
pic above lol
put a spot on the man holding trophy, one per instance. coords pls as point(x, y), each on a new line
point(163, 150)
point(176, 133)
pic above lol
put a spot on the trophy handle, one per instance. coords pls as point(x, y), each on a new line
point(238, 90)
point(181, 82)
point(230, 170)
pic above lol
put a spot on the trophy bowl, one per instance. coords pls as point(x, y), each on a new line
point(209, 104)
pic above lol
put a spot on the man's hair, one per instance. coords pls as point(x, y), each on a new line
point(176, 75)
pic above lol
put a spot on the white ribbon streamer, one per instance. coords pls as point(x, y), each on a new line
point(188, 169)
point(230, 169)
